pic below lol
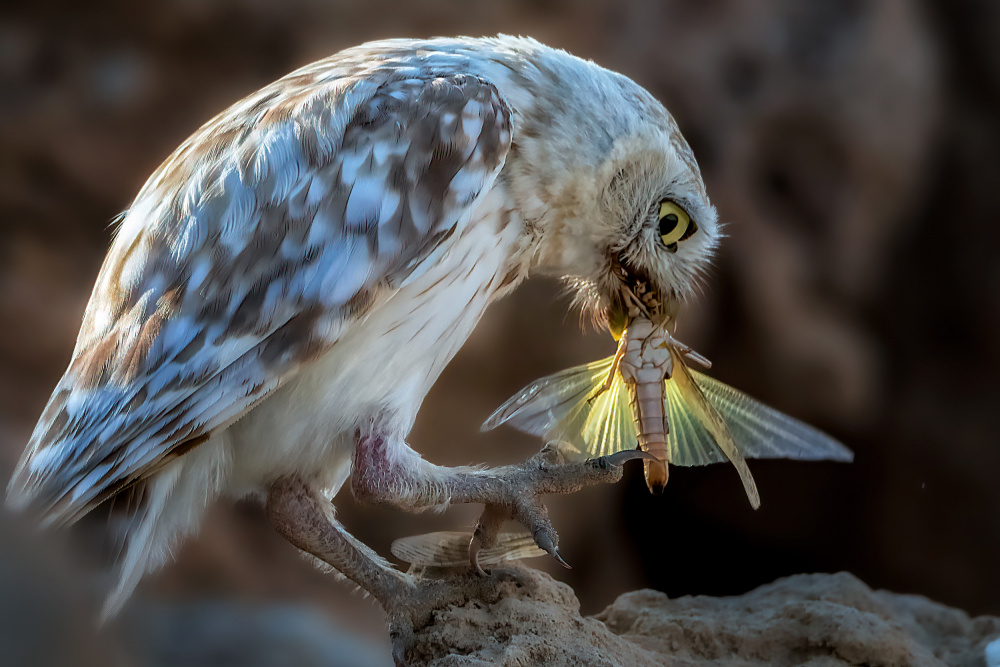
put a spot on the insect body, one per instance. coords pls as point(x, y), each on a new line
point(644, 363)
point(646, 396)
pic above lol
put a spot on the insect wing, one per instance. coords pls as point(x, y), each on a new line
point(709, 421)
point(697, 430)
point(566, 407)
point(604, 422)
point(451, 549)
point(541, 405)
point(764, 433)
point(689, 441)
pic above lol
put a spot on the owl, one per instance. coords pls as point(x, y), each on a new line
point(286, 287)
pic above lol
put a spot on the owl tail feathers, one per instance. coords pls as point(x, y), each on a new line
point(143, 538)
point(146, 539)
point(174, 502)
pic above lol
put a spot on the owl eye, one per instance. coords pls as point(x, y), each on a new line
point(675, 224)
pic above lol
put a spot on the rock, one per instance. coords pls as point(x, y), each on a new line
point(536, 622)
point(819, 620)
point(48, 611)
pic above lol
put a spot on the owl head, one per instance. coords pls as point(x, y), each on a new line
point(621, 204)
point(655, 230)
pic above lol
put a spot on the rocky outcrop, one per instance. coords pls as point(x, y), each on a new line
point(48, 611)
point(810, 619)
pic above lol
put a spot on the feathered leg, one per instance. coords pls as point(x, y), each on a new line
point(306, 519)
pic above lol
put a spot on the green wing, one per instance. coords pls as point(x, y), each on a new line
point(710, 422)
point(563, 408)
point(764, 433)
point(698, 432)
point(604, 422)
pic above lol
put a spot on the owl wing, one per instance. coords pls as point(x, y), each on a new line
point(249, 253)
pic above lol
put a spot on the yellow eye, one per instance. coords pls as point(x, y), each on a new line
point(675, 224)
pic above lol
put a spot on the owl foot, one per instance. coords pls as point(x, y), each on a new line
point(387, 472)
point(518, 490)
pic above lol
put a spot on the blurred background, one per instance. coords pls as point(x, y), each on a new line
point(852, 147)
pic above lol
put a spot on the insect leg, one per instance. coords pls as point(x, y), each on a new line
point(619, 353)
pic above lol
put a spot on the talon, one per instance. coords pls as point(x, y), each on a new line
point(475, 546)
point(485, 535)
point(624, 456)
point(554, 552)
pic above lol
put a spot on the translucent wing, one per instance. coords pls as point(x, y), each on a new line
point(539, 406)
point(697, 428)
point(709, 421)
point(764, 433)
point(760, 431)
point(451, 549)
point(606, 422)
point(565, 407)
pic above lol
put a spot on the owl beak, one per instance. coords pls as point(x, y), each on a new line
point(640, 298)
point(634, 295)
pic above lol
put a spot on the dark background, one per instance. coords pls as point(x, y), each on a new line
point(854, 150)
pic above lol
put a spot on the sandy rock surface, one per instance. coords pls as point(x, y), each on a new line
point(814, 619)
point(818, 620)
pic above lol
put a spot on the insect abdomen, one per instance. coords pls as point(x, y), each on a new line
point(651, 424)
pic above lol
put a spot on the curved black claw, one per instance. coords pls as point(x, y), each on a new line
point(623, 457)
point(518, 490)
point(545, 542)
point(559, 559)
point(475, 546)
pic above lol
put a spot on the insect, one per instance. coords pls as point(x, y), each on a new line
point(647, 396)
point(450, 549)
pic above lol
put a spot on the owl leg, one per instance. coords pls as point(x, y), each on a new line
point(388, 472)
point(306, 519)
